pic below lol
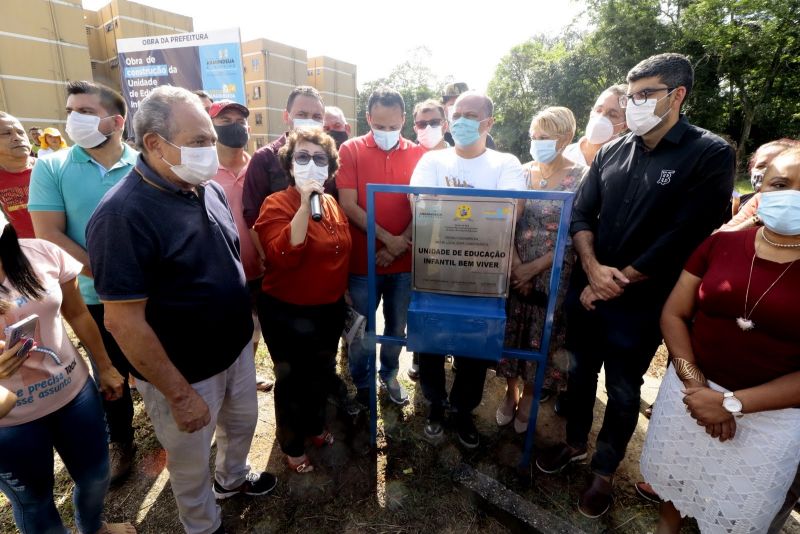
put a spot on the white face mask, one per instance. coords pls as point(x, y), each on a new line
point(85, 130)
point(430, 136)
point(308, 124)
point(3, 222)
point(599, 129)
point(642, 118)
point(198, 164)
point(386, 140)
point(309, 171)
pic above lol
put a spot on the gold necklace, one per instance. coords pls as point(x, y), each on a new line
point(744, 322)
point(544, 180)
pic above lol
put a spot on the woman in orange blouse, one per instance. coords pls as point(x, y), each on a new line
point(301, 307)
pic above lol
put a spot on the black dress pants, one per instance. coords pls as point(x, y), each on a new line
point(303, 342)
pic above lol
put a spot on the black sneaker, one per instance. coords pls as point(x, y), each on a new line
point(434, 430)
point(467, 433)
point(254, 484)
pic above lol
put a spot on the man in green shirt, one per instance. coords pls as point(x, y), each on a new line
point(65, 189)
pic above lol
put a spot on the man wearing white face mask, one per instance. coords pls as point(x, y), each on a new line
point(165, 252)
point(64, 191)
point(430, 124)
point(382, 156)
point(304, 109)
point(606, 123)
point(632, 239)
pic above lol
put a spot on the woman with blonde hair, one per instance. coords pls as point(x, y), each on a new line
point(552, 129)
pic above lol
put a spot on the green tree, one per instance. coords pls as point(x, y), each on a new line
point(525, 81)
point(754, 45)
point(413, 78)
point(573, 69)
point(746, 55)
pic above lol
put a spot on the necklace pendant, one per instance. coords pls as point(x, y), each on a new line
point(542, 183)
point(745, 324)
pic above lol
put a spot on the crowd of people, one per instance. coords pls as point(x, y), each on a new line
point(171, 258)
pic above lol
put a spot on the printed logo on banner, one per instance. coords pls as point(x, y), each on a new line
point(464, 212)
point(666, 177)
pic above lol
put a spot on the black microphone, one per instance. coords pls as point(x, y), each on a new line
point(316, 208)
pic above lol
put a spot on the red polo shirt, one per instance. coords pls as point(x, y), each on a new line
point(362, 162)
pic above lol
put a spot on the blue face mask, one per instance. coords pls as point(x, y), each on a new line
point(780, 211)
point(543, 150)
point(465, 131)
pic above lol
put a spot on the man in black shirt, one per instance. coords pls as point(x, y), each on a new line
point(648, 200)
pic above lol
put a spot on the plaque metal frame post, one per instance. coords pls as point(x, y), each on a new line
point(540, 356)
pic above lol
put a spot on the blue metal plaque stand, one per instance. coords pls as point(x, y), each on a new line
point(540, 356)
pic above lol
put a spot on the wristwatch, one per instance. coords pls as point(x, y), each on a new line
point(732, 404)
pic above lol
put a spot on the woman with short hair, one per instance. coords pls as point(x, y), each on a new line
point(301, 306)
point(552, 129)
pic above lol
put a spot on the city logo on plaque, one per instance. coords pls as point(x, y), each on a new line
point(463, 212)
point(500, 214)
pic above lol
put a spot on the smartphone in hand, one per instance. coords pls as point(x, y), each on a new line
point(23, 330)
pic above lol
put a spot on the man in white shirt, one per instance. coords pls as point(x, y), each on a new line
point(469, 164)
point(606, 123)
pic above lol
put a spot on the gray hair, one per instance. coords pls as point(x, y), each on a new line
point(674, 70)
point(337, 111)
point(155, 112)
point(488, 105)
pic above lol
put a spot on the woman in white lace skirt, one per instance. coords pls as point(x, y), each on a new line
point(724, 441)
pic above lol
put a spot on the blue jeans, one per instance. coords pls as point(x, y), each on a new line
point(395, 290)
point(78, 433)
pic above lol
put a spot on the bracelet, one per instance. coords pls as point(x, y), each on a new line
point(687, 370)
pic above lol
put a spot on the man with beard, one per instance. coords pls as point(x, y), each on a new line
point(65, 189)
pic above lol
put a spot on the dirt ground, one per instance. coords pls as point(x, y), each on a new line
point(404, 486)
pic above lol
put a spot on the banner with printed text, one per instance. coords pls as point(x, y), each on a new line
point(211, 61)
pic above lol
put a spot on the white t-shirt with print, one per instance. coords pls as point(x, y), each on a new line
point(490, 170)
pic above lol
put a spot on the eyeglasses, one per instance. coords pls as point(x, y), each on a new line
point(640, 97)
point(434, 123)
point(302, 158)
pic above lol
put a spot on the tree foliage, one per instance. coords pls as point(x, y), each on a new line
point(413, 78)
point(745, 53)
